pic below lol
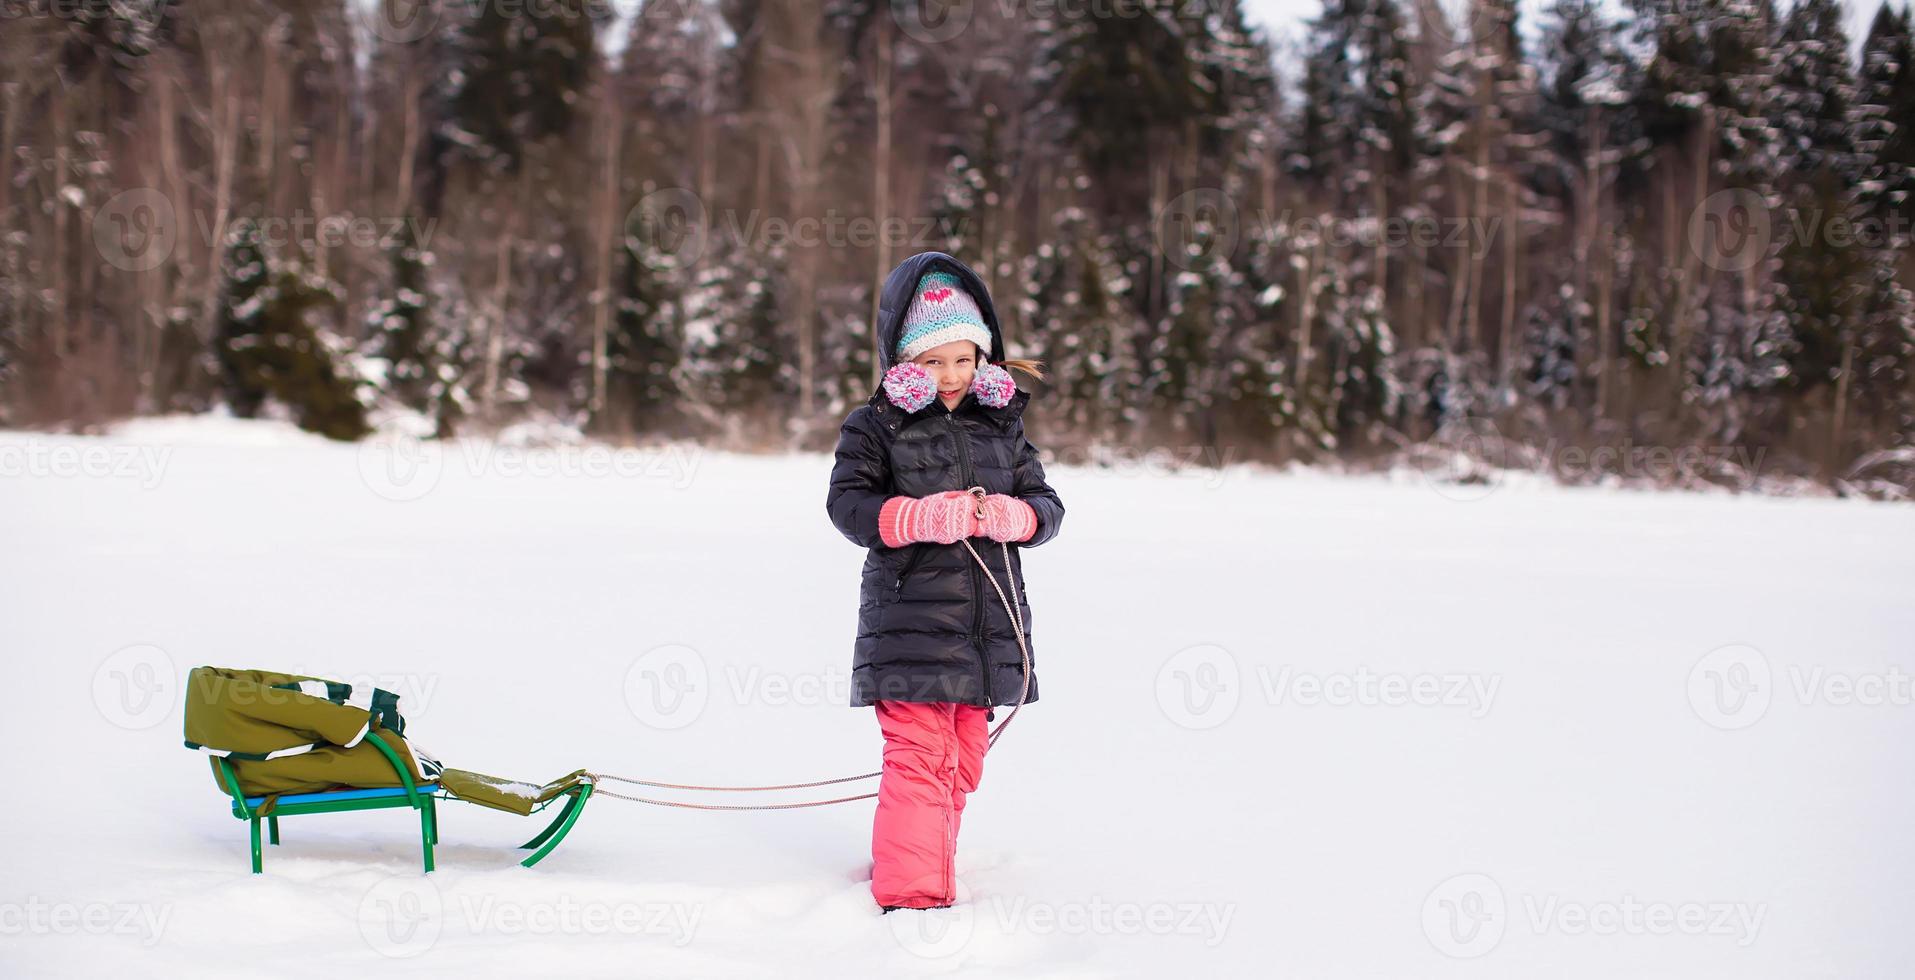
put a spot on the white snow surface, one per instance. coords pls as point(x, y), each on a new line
point(1293, 724)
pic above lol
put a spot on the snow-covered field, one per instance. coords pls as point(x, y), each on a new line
point(1293, 725)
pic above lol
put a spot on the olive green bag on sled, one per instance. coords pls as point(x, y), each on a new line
point(284, 744)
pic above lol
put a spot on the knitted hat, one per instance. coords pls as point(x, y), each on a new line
point(941, 312)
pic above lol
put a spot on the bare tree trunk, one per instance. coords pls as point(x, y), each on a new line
point(1459, 287)
point(9, 126)
point(1159, 197)
point(501, 295)
point(1479, 206)
point(1306, 316)
point(1381, 260)
point(1838, 429)
point(1606, 366)
point(1585, 244)
point(804, 114)
point(881, 184)
point(761, 196)
point(1511, 258)
point(61, 164)
point(611, 131)
point(329, 187)
point(1704, 154)
point(225, 138)
point(708, 118)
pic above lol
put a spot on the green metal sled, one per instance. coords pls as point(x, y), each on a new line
point(422, 797)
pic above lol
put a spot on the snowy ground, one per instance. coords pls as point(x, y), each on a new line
point(1293, 725)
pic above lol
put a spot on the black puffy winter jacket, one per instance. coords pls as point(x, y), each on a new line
point(930, 627)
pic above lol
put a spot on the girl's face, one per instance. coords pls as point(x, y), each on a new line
point(951, 366)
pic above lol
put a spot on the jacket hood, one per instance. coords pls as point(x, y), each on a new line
point(902, 284)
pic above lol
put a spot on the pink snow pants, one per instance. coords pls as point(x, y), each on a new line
point(933, 756)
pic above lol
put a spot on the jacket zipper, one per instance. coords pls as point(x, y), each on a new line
point(969, 477)
point(910, 565)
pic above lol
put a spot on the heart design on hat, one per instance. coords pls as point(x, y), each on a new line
point(938, 295)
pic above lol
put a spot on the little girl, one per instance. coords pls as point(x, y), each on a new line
point(936, 647)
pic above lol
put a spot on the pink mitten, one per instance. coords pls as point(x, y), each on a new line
point(945, 518)
point(1007, 518)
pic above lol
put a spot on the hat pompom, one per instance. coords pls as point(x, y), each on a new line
point(993, 385)
point(909, 386)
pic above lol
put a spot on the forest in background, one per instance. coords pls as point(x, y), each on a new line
point(1678, 224)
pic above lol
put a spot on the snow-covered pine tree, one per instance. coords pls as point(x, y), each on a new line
point(1703, 333)
point(272, 346)
point(1884, 119)
point(518, 79)
point(845, 348)
point(1257, 403)
point(738, 358)
point(400, 327)
point(1825, 276)
point(1182, 363)
point(1583, 125)
point(1360, 348)
point(1884, 133)
point(1553, 329)
point(1124, 89)
point(513, 88)
point(1077, 321)
point(1323, 137)
point(1147, 108)
point(647, 337)
point(957, 213)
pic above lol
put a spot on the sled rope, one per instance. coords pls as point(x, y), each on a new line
point(1023, 646)
point(596, 776)
point(1017, 618)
